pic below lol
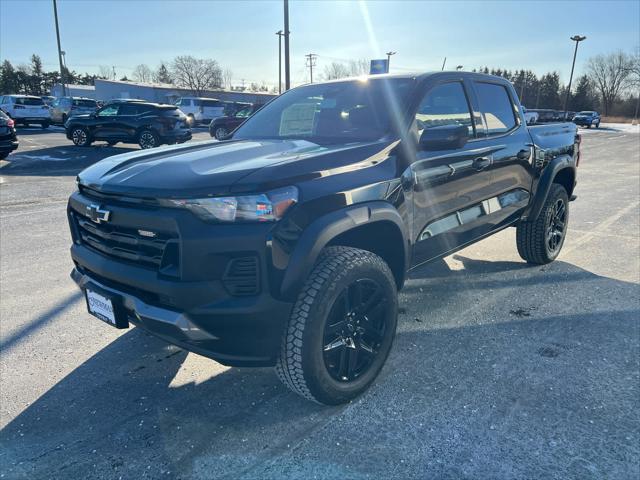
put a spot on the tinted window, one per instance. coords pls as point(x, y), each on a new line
point(109, 110)
point(84, 103)
point(185, 103)
point(245, 112)
point(28, 101)
point(444, 105)
point(332, 113)
point(497, 108)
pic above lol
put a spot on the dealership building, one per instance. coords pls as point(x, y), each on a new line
point(153, 92)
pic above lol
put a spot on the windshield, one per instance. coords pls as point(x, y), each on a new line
point(340, 112)
point(588, 114)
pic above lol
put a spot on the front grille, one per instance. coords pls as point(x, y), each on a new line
point(242, 276)
point(158, 252)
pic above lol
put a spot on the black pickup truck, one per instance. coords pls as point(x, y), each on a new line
point(286, 244)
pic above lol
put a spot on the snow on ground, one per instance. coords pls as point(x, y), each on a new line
point(613, 127)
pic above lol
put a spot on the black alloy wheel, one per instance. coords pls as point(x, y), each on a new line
point(354, 330)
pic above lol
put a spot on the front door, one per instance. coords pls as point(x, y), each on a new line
point(448, 185)
point(106, 122)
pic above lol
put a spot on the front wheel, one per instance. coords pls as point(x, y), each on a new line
point(80, 137)
point(540, 241)
point(148, 139)
point(221, 133)
point(341, 328)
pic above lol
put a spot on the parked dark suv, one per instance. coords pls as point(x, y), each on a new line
point(8, 137)
point(147, 124)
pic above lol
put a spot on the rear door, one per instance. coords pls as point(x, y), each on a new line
point(449, 185)
point(507, 137)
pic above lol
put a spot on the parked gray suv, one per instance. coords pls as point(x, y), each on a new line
point(65, 107)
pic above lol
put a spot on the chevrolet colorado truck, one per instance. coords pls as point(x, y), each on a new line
point(285, 245)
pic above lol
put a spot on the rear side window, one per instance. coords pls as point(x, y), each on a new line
point(28, 101)
point(185, 102)
point(444, 104)
point(496, 105)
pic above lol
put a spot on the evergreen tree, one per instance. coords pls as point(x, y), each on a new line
point(162, 74)
point(8, 80)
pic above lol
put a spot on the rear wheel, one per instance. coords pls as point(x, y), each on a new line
point(540, 241)
point(341, 328)
point(80, 137)
point(148, 139)
point(221, 132)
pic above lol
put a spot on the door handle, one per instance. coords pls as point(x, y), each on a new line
point(481, 163)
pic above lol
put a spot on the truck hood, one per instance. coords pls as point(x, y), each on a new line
point(212, 168)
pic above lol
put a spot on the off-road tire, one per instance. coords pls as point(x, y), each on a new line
point(301, 366)
point(531, 237)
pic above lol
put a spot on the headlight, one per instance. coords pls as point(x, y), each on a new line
point(264, 207)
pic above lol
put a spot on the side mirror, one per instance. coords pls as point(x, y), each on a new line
point(445, 137)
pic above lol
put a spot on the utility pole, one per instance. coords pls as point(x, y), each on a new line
point(280, 34)
point(577, 39)
point(55, 16)
point(444, 62)
point(524, 82)
point(287, 70)
point(311, 62)
point(113, 70)
point(389, 60)
point(538, 94)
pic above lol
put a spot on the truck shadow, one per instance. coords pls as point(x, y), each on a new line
point(499, 386)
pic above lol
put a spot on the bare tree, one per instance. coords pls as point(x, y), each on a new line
point(162, 74)
point(335, 70)
point(609, 73)
point(142, 73)
point(105, 71)
point(227, 77)
point(358, 67)
point(196, 74)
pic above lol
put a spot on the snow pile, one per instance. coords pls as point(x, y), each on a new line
point(613, 127)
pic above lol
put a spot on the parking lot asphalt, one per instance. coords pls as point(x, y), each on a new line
point(499, 369)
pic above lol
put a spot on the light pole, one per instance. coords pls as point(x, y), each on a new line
point(389, 60)
point(459, 67)
point(577, 39)
point(287, 72)
point(55, 16)
point(280, 34)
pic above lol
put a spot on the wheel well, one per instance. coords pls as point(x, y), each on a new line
point(382, 238)
point(566, 178)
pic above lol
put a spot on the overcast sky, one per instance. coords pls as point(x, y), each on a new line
point(240, 35)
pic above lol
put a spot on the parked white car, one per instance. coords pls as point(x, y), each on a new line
point(26, 109)
point(531, 117)
point(201, 110)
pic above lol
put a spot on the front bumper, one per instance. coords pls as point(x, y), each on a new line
point(191, 303)
point(583, 122)
point(241, 334)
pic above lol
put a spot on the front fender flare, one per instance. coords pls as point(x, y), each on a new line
point(322, 230)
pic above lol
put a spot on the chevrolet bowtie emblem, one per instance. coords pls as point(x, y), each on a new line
point(97, 214)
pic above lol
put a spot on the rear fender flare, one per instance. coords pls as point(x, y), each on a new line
point(547, 178)
point(326, 228)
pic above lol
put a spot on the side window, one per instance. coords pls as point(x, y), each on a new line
point(497, 107)
point(109, 111)
point(444, 104)
point(128, 109)
point(185, 102)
